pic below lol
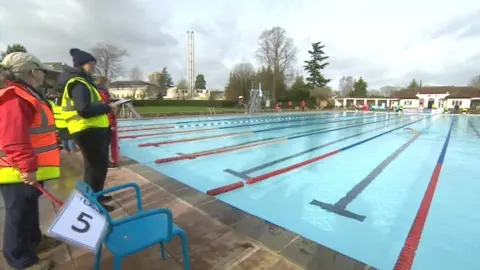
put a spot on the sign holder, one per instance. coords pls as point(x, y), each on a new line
point(82, 221)
point(54, 200)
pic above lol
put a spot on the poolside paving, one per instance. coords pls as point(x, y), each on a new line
point(220, 236)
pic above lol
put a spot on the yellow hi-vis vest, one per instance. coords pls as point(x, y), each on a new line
point(76, 123)
point(58, 114)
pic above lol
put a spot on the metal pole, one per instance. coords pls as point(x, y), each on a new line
point(188, 64)
point(193, 63)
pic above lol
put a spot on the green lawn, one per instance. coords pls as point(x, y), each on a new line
point(184, 110)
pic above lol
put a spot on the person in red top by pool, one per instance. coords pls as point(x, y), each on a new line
point(101, 83)
point(303, 104)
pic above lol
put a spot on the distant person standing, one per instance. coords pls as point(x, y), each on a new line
point(457, 108)
point(102, 85)
point(303, 104)
point(66, 139)
point(87, 119)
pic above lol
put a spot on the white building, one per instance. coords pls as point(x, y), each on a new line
point(420, 98)
point(198, 94)
point(439, 97)
point(133, 89)
point(353, 102)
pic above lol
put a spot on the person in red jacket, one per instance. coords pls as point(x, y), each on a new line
point(303, 104)
point(29, 155)
point(102, 85)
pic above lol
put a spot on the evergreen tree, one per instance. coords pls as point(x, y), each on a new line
point(200, 82)
point(315, 65)
point(414, 84)
point(299, 90)
point(167, 78)
point(266, 76)
point(13, 48)
point(359, 88)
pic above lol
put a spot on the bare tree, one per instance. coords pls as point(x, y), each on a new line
point(321, 94)
point(136, 74)
point(346, 85)
point(158, 80)
point(277, 52)
point(133, 92)
point(475, 82)
point(182, 85)
point(388, 90)
point(109, 60)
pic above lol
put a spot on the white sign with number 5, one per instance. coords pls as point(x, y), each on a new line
point(80, 223)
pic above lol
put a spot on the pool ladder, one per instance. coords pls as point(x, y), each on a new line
point(211, 111)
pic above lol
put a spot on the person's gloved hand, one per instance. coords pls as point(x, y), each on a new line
point(29, 178)
point(113, 108)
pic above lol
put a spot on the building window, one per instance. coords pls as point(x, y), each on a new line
point(441, 103)
point(457, 102)
point(407, 102)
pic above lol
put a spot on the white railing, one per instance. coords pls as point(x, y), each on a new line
point(128, 111)
point(211, 111)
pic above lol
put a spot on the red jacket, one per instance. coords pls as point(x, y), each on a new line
point(106, 99)
point(14, 131)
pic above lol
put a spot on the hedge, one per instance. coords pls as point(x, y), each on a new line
point(186, 103)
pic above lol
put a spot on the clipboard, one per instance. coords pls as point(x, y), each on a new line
point(121, 102)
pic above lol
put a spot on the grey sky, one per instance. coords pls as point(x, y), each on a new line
point(386, 42)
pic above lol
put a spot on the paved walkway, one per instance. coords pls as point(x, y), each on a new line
point(220, 237)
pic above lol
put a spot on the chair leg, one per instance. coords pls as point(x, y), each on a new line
point(186, 256)
point(98, 259)
point(117, 263)
point(162, 250)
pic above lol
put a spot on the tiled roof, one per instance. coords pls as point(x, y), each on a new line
point(454, 91)
point(57, 66)
point(135, 83)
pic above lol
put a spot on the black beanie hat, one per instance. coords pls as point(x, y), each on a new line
point(80, 57)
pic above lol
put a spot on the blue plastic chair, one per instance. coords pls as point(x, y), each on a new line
point(131, 234)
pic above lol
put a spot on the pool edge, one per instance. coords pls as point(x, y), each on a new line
point(294, 248)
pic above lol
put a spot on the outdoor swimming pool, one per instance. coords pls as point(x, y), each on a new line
point(367, 185)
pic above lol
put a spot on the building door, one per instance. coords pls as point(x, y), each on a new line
point(430, 103)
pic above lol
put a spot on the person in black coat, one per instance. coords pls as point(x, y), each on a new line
point(93, 142)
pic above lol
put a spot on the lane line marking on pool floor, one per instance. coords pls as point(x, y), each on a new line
point(218, 123)
point(302, 119)
point(407, 253)
point(229, 119)
point(340, 207)
point(249, 132)
point(213, 128)
point(245, 173)
point(272, 119)
point(271, 174)
point(166, 133)
point(470, 124)
point(259, 143)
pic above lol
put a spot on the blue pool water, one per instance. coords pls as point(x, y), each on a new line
point(360, 201)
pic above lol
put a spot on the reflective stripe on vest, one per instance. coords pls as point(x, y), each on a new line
point(43, 139)
point(58, 115)
point(76, 123)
